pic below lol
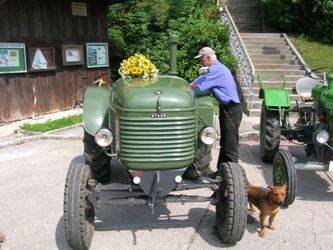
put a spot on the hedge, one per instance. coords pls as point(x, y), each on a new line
point(311, 17)
point(144, 27)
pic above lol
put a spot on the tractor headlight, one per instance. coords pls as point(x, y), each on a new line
point(103, 137)
point(209, 136)
point(322, 137)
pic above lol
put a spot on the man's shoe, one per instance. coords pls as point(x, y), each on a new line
point(212, 175)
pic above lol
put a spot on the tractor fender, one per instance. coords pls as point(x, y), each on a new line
point(275, 98)
point(96, 107)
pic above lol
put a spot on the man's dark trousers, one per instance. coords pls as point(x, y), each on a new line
point(230, 118)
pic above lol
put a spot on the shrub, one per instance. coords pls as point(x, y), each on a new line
point(144, 27)
point(311, 17)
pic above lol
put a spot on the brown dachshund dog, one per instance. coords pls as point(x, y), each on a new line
point(268, 201)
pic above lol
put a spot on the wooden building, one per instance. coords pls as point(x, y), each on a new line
point(46, 27)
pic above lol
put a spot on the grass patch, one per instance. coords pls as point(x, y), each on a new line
point(316, 54)
point(52, 125)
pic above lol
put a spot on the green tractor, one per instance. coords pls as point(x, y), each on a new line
point(314, 127)
point(157, 134)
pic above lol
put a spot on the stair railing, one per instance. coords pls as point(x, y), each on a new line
point(239, 50)
point(296, 53)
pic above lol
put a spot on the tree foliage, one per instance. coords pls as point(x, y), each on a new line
point(144, 27)
point(311, 17)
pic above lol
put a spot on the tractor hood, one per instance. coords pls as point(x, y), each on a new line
point(168, 92)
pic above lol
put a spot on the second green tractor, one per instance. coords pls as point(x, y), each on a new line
point(313, 128)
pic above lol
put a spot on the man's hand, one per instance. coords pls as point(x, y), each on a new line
point(193, 85)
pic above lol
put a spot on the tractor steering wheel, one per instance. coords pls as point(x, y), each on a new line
point(317, 76)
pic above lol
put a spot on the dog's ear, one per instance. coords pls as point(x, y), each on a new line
point(270, 187)
point(284, 186)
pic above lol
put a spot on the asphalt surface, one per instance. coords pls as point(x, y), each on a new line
point(32, 183)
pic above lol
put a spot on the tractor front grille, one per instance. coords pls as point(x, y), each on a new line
point(151, 140)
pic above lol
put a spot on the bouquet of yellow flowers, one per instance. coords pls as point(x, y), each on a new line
point(138, 66)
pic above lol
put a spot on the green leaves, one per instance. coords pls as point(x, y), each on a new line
point(311, 17)
point(144, 26)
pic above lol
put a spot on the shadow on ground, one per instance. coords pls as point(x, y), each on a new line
point(139, 218)
point(60, 236)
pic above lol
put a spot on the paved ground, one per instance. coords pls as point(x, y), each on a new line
point(32, 181)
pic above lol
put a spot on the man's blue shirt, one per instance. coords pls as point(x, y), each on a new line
point(220, 81)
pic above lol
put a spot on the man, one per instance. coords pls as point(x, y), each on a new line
point(221, 83)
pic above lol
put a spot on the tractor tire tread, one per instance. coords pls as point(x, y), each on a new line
point(291, 178)
point(272, 135)
point(77, 235)
point(232, 228)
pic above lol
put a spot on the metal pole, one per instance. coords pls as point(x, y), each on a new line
point(314, 166)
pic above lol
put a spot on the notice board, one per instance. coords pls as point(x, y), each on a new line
point(97, 55)
point(12, 58)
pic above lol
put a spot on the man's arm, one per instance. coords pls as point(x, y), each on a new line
point(196, 90)
point(208, 81)
point(199, 80)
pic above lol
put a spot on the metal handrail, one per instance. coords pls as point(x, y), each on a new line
point(239, 37)
point(240, 51)
point(295, 52)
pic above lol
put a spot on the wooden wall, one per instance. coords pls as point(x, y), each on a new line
point(48, 23)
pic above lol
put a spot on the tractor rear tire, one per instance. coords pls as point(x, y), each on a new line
point(284, 172)
point(79, 213)
point(231, 207)
point(97, 160)
point(270, 133)
point(201, 163)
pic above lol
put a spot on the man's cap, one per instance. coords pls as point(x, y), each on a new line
point(205, 51)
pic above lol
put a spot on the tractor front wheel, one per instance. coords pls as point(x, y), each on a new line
point(79, 213)
point(231, 207)
point(284, 172)
point(270, 132)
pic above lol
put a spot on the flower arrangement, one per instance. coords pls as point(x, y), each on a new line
point(138, 66)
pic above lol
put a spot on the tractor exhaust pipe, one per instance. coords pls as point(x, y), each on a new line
point(173, 41)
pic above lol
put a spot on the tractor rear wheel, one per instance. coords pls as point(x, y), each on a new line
point(201, 162)
point(97, 160)
point(270, 132)
point(284, 172)
point(79, 213)
point(231, 207)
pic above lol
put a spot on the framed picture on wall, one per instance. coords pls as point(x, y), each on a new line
point(72, 55)
point(12, 58)
point(41, 59)
point(97, 55)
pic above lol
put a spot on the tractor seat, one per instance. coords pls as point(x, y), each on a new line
point(305, 98)
point(304, 88)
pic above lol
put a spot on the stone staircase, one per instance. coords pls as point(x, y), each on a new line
point(271, 54)
point(273, 62)
point(246, 14)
